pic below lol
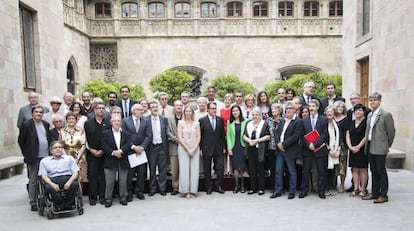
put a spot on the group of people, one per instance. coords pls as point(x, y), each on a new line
point(300, 141)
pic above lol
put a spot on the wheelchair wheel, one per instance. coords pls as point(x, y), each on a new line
point(50, 214)
point(80, 211)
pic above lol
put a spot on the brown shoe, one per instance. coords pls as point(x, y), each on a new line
point(381, 200)
point(370, 197)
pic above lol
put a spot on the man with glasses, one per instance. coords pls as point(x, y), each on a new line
point(25, 112)
point(34, 139)
point(164, 109)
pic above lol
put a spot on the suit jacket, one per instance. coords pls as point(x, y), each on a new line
point(292, 142)
point(304, 102)
point(322, 128)
point(119, 104)
point(172, 136)
point(212, 140)
point(383, 133)
point(163, 127)
point(28, 140)
point(168, 110)
point(109, 145)
point(262, 145)
point(325, 103)
point(144, 135)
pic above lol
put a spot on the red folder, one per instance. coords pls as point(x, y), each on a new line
point(313, 136)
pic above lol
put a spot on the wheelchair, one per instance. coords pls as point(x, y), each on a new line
point(46, 205)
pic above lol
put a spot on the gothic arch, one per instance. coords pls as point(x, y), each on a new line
point(288, 71)
point(197, 74)
point(71, 75)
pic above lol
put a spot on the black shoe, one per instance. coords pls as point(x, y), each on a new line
point(275, 194)
point(151, 194)
point(163, 193)
point(220, 190)
point(261, 192)
point(251, 192)
point(108, 203)
point(291, 196)
point(102, 201)
point(140, 196)
point(123, 201)
point(303, 194)
point(174, 192)
point(92, 202)
point(129, 197)
point(322, 195)
point(236, 189)
point(350, 189)
point(242, 190)
point(33, 208)
point(209, 191)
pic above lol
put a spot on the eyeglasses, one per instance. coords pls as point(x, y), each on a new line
point(57, 147)
point(290, 108)
point(354, 98)
point(100, 108)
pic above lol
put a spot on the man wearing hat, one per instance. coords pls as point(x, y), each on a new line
point(55, 103)
point(380, 134)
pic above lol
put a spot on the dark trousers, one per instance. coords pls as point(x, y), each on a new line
point(68, 200)
point(141, 173)
point(218, 169)
point(270, 165)
point(321, 166)
point(157, 157)
point(379, 175)
point(256, 170)
point(283, 158)
point(96, 177)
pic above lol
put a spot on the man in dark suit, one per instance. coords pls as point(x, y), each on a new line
point(158, 150)
point(315, 151)
point(288, 135)
point(141, 138)
point(116, 147)
point(34, 139)
point(94, 155)
point(125, 104)
point(308, 89)
point(330, 98)
point(212, 146)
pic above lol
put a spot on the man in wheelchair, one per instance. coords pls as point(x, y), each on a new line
point(59, 172)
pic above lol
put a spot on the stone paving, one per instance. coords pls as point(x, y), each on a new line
point(221, 212)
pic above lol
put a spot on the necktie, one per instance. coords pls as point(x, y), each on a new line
point(137, 125)
point(309, 98)
point(125, 109)
point(213, 123)
point(313, 122)
point(162, 112)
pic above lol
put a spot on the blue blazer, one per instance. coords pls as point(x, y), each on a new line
point(322, 128)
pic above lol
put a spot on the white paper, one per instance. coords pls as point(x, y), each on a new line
point(136, 160)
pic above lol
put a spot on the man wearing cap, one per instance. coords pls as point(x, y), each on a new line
point(380, 133)
point(55, 103)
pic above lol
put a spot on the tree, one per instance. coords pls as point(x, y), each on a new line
point(100, 88)
point(230, 84)
point(296, 83)
point(173, 82)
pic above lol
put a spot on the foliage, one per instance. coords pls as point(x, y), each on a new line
point(173, 82)
point(296, 83)
point(230, 84)
point(101, 88)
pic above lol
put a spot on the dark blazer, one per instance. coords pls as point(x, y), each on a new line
point(163, 126)
point(212, 140)
point(303, 100)
point(292, 142)
point(144, 135)
point(325, 102)
point(262, 145)
point(322, 128)
point(119, 104)
point(28, 141)
point(109, 145)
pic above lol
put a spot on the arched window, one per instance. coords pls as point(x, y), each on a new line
point(208, 10)
point(311, 9)
point(260, 9)
point(156, 10)
point(286, 9)
point(335, 8)
point(129, 10)
point(103, 10)
point(182, 10)
point(234, 9)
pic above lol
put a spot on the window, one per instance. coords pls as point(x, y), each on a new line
point(129, 10)
point(28, 50)
point(365, 17)
point(335, 8)
point(208, 10)
point(311, 9)
point(156, 10)
point(285, 9)
point(234, 9)
point(260, 9)
point(182, 10)
point(102, 10)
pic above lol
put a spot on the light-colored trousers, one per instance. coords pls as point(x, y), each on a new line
point(174, 171)
point(189, 171)
point(110, 178)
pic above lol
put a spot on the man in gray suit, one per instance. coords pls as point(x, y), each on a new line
point(141, 137)
point(173, 143)
point(380, 134)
